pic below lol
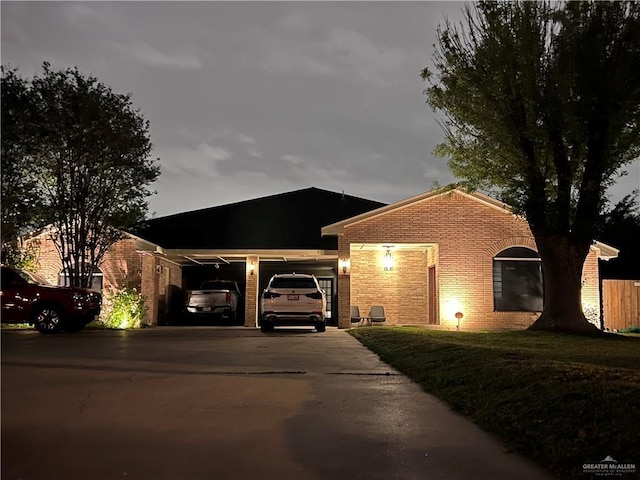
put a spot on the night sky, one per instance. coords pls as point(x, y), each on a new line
point(247, 99)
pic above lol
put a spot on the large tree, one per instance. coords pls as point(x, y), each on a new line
point(21, 211)
point(541, 103)
point(91, 158)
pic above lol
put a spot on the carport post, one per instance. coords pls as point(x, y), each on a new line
point(251, 295)
point(149, 287)
point(344, 284)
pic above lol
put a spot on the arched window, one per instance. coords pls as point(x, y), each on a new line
point(517, 281)
point(96, 283)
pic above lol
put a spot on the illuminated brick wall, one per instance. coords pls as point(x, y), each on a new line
point(591, 288)
point(252, 293)
point(162, 289)
point(121, 266)
point(466, 235)
point(402, 291)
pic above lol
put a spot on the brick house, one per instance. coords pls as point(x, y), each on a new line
point(423, 259)
point(121, 266)
point(446, 251)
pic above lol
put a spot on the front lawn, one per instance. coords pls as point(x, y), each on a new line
point(562, 400)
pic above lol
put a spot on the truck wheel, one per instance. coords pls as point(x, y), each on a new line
point(321, 327)
point(48, 319)
point(266, 326)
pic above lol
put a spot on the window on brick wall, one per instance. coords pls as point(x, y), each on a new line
point(517, 281)
point(96, 283)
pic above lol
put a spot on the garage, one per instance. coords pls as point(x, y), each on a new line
point(324, 271)
point(246, 242)
point(194, 275)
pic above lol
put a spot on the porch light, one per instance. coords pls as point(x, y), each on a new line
point(344, 264)
point(387, 261)
point(252, 268)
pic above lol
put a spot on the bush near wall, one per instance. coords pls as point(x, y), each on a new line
point(125, 308)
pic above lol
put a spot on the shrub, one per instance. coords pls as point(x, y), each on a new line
point(124, 309)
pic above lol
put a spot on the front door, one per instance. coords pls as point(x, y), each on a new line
point(431, 286)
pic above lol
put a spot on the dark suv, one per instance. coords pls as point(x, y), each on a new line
point(29, 298)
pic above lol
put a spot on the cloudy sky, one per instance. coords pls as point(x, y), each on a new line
point(247, 99)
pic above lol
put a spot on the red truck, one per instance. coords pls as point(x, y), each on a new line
point(28, 298)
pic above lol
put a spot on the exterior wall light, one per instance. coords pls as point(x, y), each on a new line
point(252, 268)
point(387, 260)
point(344, 265)
point(459, 316)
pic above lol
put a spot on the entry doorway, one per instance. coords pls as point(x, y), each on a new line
point(431, 288)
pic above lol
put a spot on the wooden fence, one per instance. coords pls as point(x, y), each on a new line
point(621, 304)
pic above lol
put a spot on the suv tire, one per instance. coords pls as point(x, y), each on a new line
point(266, 326)
point(321, 327)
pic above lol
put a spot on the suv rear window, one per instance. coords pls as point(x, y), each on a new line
point(293, 283)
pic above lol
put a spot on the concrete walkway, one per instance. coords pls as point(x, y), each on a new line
point(228, 403)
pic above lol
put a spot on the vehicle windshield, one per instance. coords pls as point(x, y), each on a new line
point(33, 278)
point(293, 283)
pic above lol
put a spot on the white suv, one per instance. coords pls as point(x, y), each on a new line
point(293, 299)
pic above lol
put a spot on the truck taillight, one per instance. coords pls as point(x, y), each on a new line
point(228, 298)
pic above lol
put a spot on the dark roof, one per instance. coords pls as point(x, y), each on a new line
point(291, 220)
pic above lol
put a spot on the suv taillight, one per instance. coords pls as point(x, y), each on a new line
point(271, 295)
point(315, 295)
point(228, 298)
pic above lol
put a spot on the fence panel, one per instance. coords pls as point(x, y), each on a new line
point(621, 304)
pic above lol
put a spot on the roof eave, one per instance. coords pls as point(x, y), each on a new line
point(604, 251)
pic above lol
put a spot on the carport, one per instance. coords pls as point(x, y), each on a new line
point(247, 242)
point(168, 273)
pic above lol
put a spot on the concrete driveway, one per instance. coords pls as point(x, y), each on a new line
point(228, 403)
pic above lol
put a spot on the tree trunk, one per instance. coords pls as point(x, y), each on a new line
point(562, 262)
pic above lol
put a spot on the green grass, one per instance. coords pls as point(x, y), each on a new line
point(94, 325)
point(562, 400)
point(16, 326)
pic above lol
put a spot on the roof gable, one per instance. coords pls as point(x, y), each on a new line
point(338, 227)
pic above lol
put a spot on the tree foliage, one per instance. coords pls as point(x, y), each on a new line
point(542, 104)
point(21, 210)
point(620, 227)
point(91, 159)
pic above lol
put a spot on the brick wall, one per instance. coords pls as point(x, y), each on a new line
point(344, 285)
point(591, 288)
point(402, 291)
point(170, 297)
point(121, 265)
point(149, 287)
point(466, 235)
point(251, 292)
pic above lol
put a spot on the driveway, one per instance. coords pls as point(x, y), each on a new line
point(228, 403)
